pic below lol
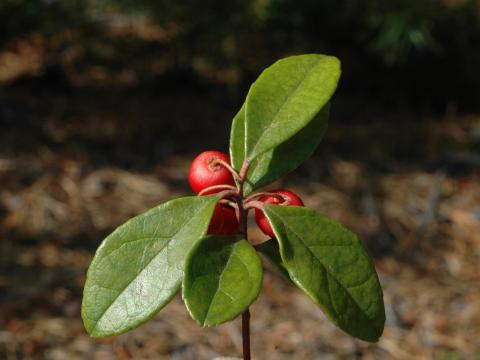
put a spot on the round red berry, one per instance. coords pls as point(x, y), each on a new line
point(206, 172)
point(224, 221)
point(260, 218)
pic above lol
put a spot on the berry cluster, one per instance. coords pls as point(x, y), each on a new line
point(211, 173)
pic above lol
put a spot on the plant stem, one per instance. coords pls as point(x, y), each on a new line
point(252, 204)
point(217, 187)
point(235, 175)
point(266, 193)
point(246, 334)
point(242, 220)
point(243, 174)
point(246, 315)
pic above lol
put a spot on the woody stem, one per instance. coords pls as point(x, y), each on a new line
point(242, 219)
point(216, 187)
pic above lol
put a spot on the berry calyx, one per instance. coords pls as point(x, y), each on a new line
point(224, 221)
point(206, 171)
point(290, 199)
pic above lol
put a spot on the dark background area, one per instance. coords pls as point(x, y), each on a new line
point(103, 104)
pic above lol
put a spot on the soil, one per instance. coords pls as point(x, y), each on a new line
point(76, 164)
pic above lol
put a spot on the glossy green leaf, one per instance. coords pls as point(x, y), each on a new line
point(285, 98)
point(237, 139)
point(271, 251)
point(281, 160)
point(329, 263)
point(286, 157)
point(139, 267)
point(223, 277)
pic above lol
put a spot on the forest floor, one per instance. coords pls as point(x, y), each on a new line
point(74, 166)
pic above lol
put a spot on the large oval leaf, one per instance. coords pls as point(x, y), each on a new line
point(223, 277)
point(329, 263)
point(284, 158)
point(139, 267)
point(285, 98)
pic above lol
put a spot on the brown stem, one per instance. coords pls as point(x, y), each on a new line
point(249, 203)
point(231, 203)
point(216, 187)
point(235, 175)
point(266, 193)
point(246, 334)
point(229, 193)
point(242, 219)
point(243, 177)
point(244, 170)
point(246, 315)
point(252, 204)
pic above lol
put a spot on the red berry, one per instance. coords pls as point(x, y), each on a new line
point(205, 172)
point(224, 221)
point(261, 219)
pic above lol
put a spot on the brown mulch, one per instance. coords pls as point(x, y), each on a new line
point(85, 148)
point(424, 227)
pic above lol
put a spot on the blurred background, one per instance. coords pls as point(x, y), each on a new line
point(103, 104)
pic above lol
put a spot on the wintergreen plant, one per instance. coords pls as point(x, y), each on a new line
point(140, 267)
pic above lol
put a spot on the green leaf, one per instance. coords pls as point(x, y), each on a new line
point(329, 263)
point(223, 277)
point(237, 139)
point(271, 251)
point(285, 98)
point(278, 162)
point(273, 165)
point(139, 267)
